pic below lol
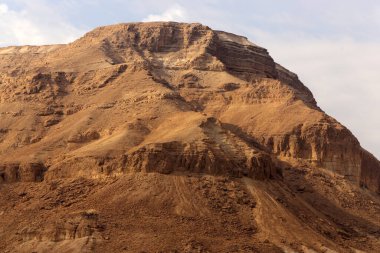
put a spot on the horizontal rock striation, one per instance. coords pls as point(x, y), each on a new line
point(71, 107)
point(169, 157)
point(177, 46)
point(76, 228)
point(331, 148)
point(240, 56)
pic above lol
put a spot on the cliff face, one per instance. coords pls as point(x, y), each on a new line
point(107, 93)
point(107, 142)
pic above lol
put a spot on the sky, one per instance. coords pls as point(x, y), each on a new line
point(333, 46)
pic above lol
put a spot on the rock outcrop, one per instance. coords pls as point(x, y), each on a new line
point(369, 171)
point(74, 102)
point(172, 137)
point(24, 172)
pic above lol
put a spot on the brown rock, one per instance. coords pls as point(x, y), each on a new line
point(24, 172)
point(174, 131)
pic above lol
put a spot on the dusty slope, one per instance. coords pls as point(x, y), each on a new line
point(189, 213)
point(254, 164)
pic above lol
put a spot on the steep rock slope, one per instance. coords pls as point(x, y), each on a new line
point(184, 68)
point(181, 99)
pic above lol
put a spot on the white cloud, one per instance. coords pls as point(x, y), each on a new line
point(3, 8)
point(174, 13)
point(28, 26)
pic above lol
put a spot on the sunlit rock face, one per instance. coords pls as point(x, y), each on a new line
point(163, 97)
point(173, 137)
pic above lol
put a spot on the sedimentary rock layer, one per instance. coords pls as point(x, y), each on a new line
point(140, 97)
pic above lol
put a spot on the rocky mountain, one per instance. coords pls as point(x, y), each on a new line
point(173, 137)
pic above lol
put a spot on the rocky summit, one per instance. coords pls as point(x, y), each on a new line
point(173, 137)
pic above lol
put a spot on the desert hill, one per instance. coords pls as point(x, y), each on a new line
point(173, 137)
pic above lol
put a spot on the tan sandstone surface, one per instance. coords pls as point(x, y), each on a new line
point(173, 137)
